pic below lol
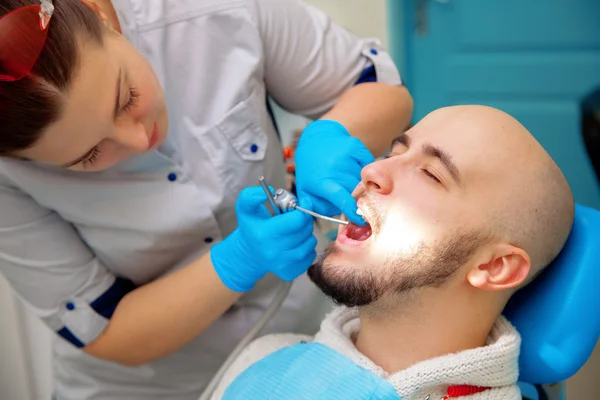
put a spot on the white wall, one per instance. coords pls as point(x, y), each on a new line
point(366, 18)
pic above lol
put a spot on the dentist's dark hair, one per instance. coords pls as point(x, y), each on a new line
point(28, 106)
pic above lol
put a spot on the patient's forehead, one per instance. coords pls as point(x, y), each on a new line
point(468, 144)
point(484, 145)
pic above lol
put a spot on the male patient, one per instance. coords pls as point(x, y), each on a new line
point(467, 208)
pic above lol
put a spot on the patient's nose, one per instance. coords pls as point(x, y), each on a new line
point(376, 177)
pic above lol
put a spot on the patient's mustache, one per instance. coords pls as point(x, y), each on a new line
point(374, 212)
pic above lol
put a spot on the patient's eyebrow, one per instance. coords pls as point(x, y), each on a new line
point(403, 139)
point(432, 151)
point(444, 158)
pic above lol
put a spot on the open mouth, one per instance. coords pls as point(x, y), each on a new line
point(358, 233)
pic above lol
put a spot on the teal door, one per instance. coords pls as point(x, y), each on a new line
point(534, 59)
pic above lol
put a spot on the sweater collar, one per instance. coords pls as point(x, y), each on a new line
point(494, 365)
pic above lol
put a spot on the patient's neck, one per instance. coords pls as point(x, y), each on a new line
point(397, 333)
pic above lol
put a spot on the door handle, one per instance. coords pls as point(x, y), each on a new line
point(421, 17)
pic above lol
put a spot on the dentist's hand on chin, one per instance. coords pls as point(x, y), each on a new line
point(328, 166)
point(283, 245)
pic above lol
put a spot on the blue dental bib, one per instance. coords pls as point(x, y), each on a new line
point(308, 371)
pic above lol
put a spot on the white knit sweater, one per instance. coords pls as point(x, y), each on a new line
point(494, 365)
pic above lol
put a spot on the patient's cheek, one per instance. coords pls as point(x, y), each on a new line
point(400, 232)
point(421, 201)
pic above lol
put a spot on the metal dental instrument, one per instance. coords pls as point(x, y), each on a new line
point(287, 202)
point(265, 187)
point(284, 201)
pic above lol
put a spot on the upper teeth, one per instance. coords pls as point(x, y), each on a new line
point(360, 212)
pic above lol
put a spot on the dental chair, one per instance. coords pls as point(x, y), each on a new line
point(558, 315)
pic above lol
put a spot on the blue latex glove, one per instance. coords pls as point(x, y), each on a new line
point(283, 245)
point(328, 166)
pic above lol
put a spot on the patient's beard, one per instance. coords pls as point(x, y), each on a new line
point(429, 265)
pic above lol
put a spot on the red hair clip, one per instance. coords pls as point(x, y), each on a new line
point(23, 32)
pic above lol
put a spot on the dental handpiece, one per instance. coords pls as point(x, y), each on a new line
point(284, 201)
point(288, 202)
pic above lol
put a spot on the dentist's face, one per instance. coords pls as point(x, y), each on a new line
point(114, 109)
point(426, 205)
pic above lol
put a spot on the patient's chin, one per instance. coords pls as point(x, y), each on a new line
point(342, 284)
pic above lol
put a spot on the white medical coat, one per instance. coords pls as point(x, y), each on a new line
point(72, 243)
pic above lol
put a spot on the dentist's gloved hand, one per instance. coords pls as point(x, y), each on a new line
point(282, 244)
point(328, 166)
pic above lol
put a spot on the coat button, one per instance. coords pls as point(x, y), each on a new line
point(374, 52)
point(254, 148)
point(172, 177)
point(70, 306)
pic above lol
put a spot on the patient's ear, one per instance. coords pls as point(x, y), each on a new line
point(505, 267)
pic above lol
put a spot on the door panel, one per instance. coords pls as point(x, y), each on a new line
point(533, 59)
point(531, 24)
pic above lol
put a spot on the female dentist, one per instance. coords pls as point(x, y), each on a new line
point(118, 222)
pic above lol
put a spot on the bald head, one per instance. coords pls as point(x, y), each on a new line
point(526, 199)
point(465, 195)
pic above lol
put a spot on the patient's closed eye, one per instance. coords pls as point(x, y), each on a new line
point(390, 155)
point(430, 175)
point(425, 171)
